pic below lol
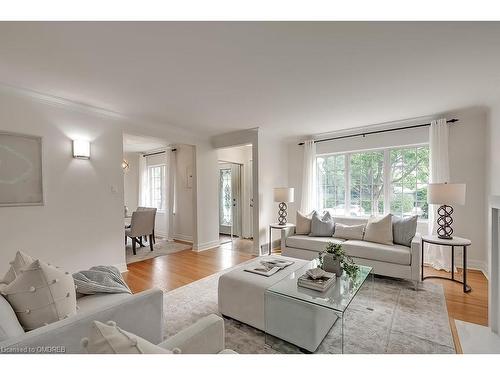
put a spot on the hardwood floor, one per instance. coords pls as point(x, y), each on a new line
point(172, 271)
point(469, 307)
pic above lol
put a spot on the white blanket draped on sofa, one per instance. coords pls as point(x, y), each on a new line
point(437, 256)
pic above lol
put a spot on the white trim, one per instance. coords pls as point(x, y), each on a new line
point(183, 237)
point(87, 108)
point(122, 267)
point(206, 245)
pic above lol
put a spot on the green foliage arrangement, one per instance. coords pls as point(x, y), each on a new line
point(346, 262)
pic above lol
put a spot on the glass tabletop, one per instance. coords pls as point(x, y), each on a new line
point(337, 297)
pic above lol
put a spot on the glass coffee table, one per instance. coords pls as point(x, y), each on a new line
point(303, 316)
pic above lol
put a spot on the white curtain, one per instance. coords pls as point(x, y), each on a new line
point(143, 182)
point(437, 256)
point(307, 202)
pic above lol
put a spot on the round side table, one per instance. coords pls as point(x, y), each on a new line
point(454, 242)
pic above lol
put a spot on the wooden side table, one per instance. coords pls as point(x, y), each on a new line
point(281, 228)
point(454, 242)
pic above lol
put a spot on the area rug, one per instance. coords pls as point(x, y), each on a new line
point(402, 320)
point(161, 247)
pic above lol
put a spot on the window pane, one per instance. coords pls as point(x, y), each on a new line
point(409, 178)
point(367, 178)
point(331, 183)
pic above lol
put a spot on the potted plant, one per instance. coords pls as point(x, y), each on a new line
point(333, 259)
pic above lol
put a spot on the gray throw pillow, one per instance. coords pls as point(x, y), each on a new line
point(404, 229)
point(322, 226)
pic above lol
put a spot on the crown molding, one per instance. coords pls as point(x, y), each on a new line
point(87, 108)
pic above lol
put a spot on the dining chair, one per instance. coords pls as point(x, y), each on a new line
point(153, 209)
point(142, 224)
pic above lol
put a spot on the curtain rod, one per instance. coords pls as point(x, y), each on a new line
point(376, 132)
point(157, 153)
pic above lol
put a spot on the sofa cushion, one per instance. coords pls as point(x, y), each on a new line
point(303, 223)
point(41, 294)
point(349, 232)
point(404, 229)
point(321, 226)
point(379, 230)
point(20, 261)
point(311, 243)
point(110, 339)
point(9, 325)
point(397, 254)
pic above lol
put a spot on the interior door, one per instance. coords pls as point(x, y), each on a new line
point(230, 199)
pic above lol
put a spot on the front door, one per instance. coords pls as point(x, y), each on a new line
point(230, 199)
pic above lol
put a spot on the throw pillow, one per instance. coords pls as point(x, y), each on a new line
point(303, 223)
point(404, 229)
point(110, 339)
point(9, 325)
point(20, 261)
point(321, 226)
point(41, 294)
point(349, 232)
point(379, 230)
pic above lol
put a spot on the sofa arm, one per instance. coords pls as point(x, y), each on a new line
point(206, 336)
point(416, 256)
point(141, 314)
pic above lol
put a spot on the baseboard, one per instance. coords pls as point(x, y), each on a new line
point(183, 237)
point(122, 267)
point(206, 245)
point(473, 264)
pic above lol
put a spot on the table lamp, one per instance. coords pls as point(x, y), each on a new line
point(283, 196)
point(446, 195)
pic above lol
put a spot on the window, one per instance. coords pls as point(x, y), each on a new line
point(374, 182)
point(156, 182)
point(409, 178)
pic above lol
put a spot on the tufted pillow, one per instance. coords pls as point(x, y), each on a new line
point(110, 339)
point(303, 223)
point(379, 230)
point(349, 232)
point(9, 325)
point(321, 226)
point(20, 261)
point(41, 294)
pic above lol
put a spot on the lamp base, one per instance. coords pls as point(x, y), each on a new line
point(444, 222)
point(445, 237)
point(282, 213)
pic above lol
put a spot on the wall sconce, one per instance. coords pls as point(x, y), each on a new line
point(125, 166)
point(81, 149)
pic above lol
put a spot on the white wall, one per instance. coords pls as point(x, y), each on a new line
point(183, 218)
point(81, 223)
point(467, 164)
point(242, 155)
point(131, 181)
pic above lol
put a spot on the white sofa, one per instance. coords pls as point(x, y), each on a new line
point(387, 260)
point(141, 314)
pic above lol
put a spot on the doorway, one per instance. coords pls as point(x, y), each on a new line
point(235, 198)
point(230, 199)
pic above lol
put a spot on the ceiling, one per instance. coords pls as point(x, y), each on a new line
point(291, 78)
point(136, 143)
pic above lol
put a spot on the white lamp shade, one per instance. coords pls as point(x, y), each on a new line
point(444, 193)
point(284, 195)
point(81, 149)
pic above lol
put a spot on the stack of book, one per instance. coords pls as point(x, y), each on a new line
point(320, 284)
